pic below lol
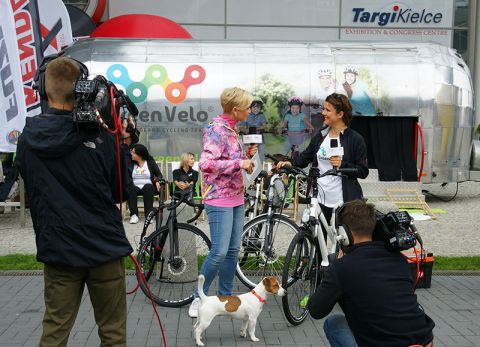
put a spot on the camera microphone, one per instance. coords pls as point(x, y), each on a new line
point(132, 108)
point(100, 95)
point(127, 103)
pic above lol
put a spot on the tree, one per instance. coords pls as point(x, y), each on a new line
point(269, 87)
point(271, 114)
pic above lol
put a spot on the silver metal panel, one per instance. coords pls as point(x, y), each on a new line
point(429, 154)
point(475, 158)
point(405, 79)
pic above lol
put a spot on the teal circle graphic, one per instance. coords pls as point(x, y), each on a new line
point(143, 92)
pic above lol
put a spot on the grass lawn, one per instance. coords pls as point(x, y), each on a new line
point(28, 262)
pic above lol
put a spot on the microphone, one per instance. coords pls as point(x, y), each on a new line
point(334, 148)
point(128, 103)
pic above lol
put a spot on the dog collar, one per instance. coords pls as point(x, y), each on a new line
point(258, 296)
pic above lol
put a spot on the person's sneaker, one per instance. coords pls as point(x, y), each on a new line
point(304, 302)
point(134, 219)
point(193, 309)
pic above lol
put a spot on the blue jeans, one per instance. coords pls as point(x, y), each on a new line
point(226, 227)
point(338, 332)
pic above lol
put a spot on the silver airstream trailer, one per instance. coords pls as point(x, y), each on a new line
point(176, 86)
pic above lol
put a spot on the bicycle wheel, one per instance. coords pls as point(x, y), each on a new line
point(303, 190)
point(172, 281)
point(259, 257)
point(300, 277)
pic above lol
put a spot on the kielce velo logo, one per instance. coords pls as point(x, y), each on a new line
point(398, 15)
point(156, 74)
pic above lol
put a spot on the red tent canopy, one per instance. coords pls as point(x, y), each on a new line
point(143, 26)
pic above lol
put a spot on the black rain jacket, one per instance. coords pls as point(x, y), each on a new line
point(355, 156)
point(71, 179)
point(375, 291)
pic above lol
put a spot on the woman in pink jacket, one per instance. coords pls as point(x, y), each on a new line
point(222, 162)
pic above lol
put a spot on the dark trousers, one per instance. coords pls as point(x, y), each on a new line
point(148, 192)
point(63, 294)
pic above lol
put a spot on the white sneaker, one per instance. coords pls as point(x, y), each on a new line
point(193, 309)
point(134, 219)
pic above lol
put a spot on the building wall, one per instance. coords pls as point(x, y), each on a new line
point(309, 20)
point(305, 20)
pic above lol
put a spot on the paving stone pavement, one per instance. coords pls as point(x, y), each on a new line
point(453, 302)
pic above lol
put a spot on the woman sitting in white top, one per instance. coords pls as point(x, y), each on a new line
point(145, 175)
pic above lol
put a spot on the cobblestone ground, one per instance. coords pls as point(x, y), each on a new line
point(452, 302)
point(453, 233)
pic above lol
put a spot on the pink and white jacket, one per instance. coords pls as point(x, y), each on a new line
point(220, 161)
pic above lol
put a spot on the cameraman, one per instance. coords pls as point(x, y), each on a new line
point(72, 182)
point(374, 289)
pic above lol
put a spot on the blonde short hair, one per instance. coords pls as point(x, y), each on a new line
point(235, 97)
point(60, 77)
point(184, 158)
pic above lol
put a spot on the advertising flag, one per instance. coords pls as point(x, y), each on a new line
point(28, 33)
point(12, 102)
point(29, 42)
point(55, 27)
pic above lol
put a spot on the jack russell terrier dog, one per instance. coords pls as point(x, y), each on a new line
point(246, 306)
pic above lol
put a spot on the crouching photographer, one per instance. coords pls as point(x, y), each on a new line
point(72, 168)
point(374, 289)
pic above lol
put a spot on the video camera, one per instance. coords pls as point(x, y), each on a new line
point(97, 100)
point(396, 230)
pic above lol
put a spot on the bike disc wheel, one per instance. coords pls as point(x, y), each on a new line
point(300, 277)
point(259, 258)
point(172, 281)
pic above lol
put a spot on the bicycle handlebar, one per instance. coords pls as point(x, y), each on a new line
point(314, 172)
point(181, 196)
point(197, 215)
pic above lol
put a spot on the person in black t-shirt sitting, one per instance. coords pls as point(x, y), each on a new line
point(185, 177)
point(374, 289)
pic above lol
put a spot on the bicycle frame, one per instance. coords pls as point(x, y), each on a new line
point(271, 211)
point(317, 217)
point(254, 198)
point(172, 230)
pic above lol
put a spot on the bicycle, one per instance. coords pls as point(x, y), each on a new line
point(302, 192)
point(253, 196)
point(307, 255)
point(171, 256)
point(265, 238)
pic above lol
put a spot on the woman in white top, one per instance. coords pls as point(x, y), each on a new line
point(145, 175)
point(337, 113)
